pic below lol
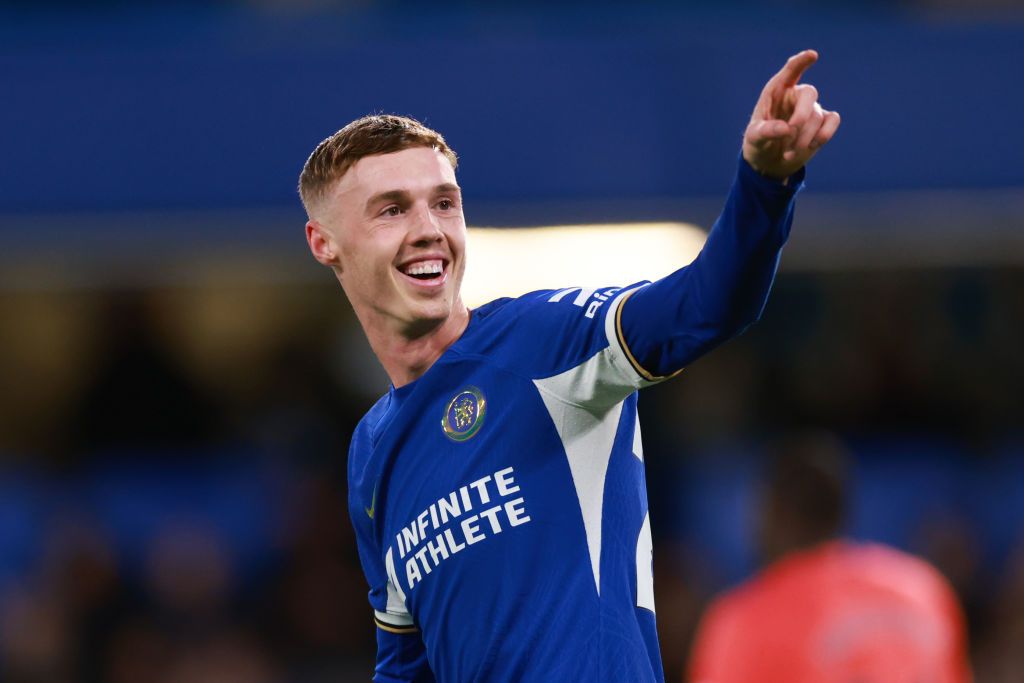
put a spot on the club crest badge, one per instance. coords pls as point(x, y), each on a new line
point(465, 414)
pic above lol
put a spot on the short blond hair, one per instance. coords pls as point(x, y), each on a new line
point(369, 135)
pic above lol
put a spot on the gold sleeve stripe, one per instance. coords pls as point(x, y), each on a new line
point(640, 370)
point(395, 629)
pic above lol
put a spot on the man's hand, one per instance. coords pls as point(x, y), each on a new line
point(788, 126)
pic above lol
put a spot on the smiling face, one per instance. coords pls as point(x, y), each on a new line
point(392, 229)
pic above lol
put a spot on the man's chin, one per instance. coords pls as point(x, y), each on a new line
point(428, 314)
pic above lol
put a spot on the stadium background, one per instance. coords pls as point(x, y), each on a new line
point(179, 379)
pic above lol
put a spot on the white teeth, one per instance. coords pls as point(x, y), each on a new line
point(424, 268)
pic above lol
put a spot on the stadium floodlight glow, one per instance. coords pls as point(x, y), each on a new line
point(513, 261)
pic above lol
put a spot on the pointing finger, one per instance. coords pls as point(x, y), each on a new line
point(793, 69)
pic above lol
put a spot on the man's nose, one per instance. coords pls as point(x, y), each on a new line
point(425, 226)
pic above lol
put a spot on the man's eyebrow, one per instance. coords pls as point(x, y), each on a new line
point(388, 196)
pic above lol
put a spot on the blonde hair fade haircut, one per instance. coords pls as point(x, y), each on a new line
point(367, 136)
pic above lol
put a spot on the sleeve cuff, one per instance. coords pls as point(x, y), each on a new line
point(782, 188)
point(394, 623)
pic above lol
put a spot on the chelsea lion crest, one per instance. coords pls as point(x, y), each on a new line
point(464, 414)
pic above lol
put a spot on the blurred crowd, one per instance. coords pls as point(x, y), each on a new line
point(180, 513)
point(163, 533)
point(190, 612)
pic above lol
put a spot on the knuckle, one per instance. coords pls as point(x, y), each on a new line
point(808, 91)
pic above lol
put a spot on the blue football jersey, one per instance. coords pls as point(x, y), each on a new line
point(499, 500)
point(488, 479)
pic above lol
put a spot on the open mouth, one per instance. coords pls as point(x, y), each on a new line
point(426, 272)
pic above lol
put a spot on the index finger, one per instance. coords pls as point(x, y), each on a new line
point(794, 68)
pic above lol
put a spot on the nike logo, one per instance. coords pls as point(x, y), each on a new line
point(373, 503)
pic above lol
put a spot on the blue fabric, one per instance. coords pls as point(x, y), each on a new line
point(401, 657)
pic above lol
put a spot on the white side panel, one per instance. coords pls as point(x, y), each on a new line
point(644, 568)
point(638, 444)
point(397, 613)
point(587, 434)
point(585, 404)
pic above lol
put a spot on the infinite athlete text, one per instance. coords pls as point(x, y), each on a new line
point(483, 508)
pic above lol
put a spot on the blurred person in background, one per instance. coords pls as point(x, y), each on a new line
point(827, 609)
point(139, 396)
point(478, 485)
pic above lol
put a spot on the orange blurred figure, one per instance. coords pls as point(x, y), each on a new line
point(829, 610)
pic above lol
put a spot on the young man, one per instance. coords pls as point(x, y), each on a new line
point(497, 490)
point(827, 609)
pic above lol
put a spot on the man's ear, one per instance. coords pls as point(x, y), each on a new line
point(321, 244)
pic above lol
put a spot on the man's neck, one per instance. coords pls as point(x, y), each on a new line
point(406, 357)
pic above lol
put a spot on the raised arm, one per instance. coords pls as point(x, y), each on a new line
point(671, 322)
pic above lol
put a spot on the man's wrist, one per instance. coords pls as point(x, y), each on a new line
point(791, 182)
